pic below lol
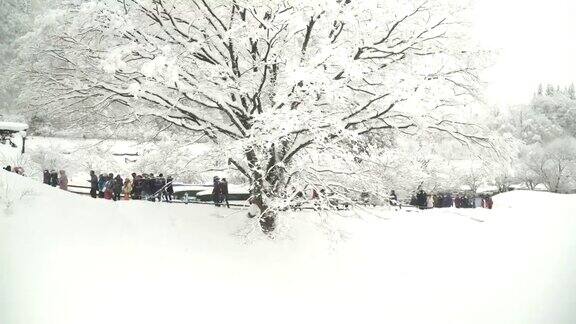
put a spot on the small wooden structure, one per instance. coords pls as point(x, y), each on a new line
point(10, 132)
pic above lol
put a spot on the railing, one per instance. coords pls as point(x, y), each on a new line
point(80, 187)
point(198, 202)
point(158, 193)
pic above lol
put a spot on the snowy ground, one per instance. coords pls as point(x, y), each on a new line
point(70, 259)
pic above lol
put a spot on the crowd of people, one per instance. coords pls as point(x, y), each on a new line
point(138, 186)
point(56, 179)
point(110, 187)
point(158, 188)
point(145, 186)
point(423, 200)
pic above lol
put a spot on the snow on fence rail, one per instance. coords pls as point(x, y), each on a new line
point(79, 187)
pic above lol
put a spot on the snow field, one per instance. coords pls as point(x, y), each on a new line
point(70, 259)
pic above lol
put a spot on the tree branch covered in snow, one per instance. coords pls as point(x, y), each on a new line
point(277, 85)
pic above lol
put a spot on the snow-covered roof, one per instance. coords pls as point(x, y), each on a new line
point(12, 126)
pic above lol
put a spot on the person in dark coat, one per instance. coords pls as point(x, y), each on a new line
point(160, 187)
point(224, 191)
point(413, 201)
point(46, 177)
point(465, 202)
point(53, 178)
point(152, 186)
point(138, 182)
point(448, 200)
point(118, 186)
point(8, 168)
point(393, 198)
point(422, 198)
point(216, 191)
point(169, 188)
point(438, 201)
point(145, 186)
point(93, 184)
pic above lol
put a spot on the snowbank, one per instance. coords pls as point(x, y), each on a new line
point(71, 259)
point(530, 200)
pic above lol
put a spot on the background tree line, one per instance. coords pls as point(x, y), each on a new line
point(544, 137)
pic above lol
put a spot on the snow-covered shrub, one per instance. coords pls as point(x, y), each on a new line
point(11, 192)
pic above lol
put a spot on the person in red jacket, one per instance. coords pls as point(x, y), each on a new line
point(488, 203)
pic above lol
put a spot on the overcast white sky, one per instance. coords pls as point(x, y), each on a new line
point(537, 43)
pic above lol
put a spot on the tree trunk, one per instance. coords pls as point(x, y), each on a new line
point(267, 215)
point(258, 194)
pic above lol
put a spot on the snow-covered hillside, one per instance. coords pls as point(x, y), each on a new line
point(69, 259)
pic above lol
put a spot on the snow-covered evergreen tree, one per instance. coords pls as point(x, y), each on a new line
point(540, 90)
point(550, 90)
point(571, 92)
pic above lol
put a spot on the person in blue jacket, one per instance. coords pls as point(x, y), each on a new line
point(101, 185)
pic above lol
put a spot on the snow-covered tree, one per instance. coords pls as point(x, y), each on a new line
point(15, 22)
point(278, 85)
point(571, 92)
point(550, 90)
point(540, 91)
point(17, 18)
point(559, 109)
point(531, 125)
point(558, 171)
point(531, 163)
point(552, 164)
